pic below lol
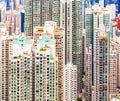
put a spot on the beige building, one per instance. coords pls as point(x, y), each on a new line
point(51, 30)
point(46, 70)
point(4, 70)
point(88, 74)
point(114, 65)
point(13, 21)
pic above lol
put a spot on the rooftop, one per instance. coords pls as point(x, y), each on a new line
point(46, 41)
point(22, 40)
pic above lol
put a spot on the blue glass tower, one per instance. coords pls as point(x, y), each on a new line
point(118, 6)
point(7, 4)
point(22, 21)
point(97, 1)
point(105, 3)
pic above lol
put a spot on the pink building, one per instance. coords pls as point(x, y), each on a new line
point(12, 20)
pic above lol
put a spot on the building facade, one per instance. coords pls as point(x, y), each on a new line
point(4, 57)
point(70, 83)
point(51, 30)
point(114, 65)
point(88, 74)
point(46, 70)
point(101, 66)
point(36, 13)
point(20, 69)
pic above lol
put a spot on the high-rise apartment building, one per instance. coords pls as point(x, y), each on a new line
point(96, 17)
point(70, 83)
point(101, 66)
point(89, 25)
point(77, 49)
point(57, 11)
point(66, 23)
point(13, 21)
point(20, 78)
point(4, 58)
point(32, 15)
point(36, 13)
point(112, 9)
point(19, 56)
point(51, 30)
point(88, 74)
point(92, 22)
point(69, 16)
point(113, 71)
point(20, 68)
point(114, 65)
point(46, 70)
point(71, 19)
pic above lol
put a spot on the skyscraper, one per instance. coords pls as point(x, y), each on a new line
point(101, 26)
point(51, 30)
point(46, 70)
point(96, 17)
point(118, 6)
point(66, 23)
point(77, 50)
point(101, 66)
point(39, 11)
point(7, 4)
point(20, 77)
point(36, 13)
point(113, 71)
point(56, 11)
point(71, 19)
point(20, 69)
point(88, 74)
point(22, 21)
point(32, 15)
point(70, 83)
point(13, 21)
point(114, 65)
point(4, 58)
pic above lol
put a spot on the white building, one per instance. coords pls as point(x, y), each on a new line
point(20, 68)
point(46, 70)
point(70, 83)
point(2, 11)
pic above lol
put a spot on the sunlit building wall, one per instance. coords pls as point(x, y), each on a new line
point(51, 30)
point(46, 70)
point(2, 11)
point(20, 68)
point(70, 83)
point(101, 66)
point(4, 58)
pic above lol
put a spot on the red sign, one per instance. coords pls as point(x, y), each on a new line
point(118, 22)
